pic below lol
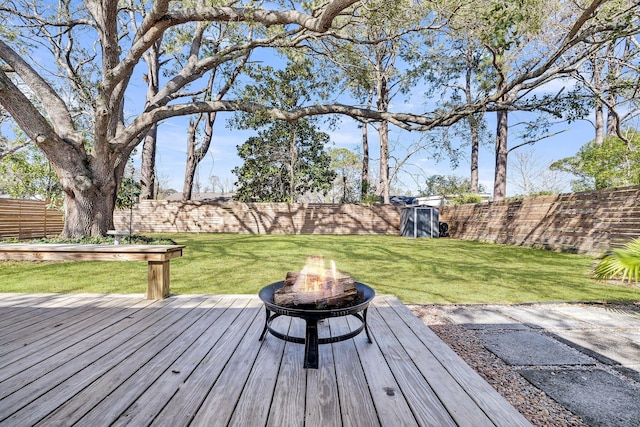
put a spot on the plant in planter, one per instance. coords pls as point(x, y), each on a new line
point(623, 263)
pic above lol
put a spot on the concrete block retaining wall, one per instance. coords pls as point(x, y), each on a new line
point(589, 222)
point(259, 218)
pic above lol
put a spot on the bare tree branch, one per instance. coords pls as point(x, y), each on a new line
point(533, 141)
point(160, 19)
point(58, 112)
point(8, 151)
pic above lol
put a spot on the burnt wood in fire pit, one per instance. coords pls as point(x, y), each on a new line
point(311, 316)
point(335, 292)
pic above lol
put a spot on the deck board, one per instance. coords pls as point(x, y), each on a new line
point(444, 389)
point(390, 402)
point(196, 360)
point(53, 334)
point(322, 404)
point(356, 403)
point(419, 393)
point(478, 389)
point(287, 406)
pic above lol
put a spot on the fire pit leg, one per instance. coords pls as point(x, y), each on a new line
point(366, 328)
point(266, 323)
point(311, 345)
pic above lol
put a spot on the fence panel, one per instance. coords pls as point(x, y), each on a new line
point(28, 219)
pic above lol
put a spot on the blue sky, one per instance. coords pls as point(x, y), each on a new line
point(222, 158)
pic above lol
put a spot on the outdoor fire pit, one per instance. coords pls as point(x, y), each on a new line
point(313, 304)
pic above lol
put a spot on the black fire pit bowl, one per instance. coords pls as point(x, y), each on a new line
point(311, 316)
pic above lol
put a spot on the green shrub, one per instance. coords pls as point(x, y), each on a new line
point(106, 240)
point(465, 199)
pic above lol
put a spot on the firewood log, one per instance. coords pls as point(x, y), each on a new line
point(292, 293)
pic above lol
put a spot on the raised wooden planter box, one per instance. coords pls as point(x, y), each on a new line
point(157, 257)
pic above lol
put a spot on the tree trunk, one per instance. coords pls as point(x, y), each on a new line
point(613, 122)
point(192, 163)
point(599, 111)
point(89, 202)
point(90, 182)
point(475, 149)
point(148, 167)
point(500, 181)
point(615, 69)
point(365, 186)
point(87, 213)
point(473, 119)
point(195, 153)
point(385, 187)
point(383, 131)
point(599, 123)
point(293, 150)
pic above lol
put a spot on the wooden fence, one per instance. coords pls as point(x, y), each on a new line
point(589, 222)
point(28, 219)
point(259, 218)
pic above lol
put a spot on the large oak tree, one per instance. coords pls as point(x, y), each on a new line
point(89, 149)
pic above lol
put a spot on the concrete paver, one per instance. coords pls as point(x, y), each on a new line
point(614, 403)
point(585, 356)
point(618, 348)
point(537, 317)
point(527, 348)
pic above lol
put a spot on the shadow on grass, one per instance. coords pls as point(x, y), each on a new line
point(415, 270)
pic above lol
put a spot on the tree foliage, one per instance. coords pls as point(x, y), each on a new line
point(69, 79)
point(347, 185)
point(28, 174)
point(451, 185)
point(609, 81)
point(372, 52)
point(514, 60)
point(71, 88)
point(530, 175)
point(130, 190)
point(285, 161)
point(610, 164)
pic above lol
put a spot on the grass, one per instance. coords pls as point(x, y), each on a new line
point(417, 271)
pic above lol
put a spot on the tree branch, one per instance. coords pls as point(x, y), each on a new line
point(402, 120)
point(160, 19)
point(533, 141)
point(12, 150)
point(35, 125)
point(55, 106)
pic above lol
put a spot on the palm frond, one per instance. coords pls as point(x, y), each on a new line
point(623, 263)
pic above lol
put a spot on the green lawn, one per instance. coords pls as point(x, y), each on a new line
point(415, 270)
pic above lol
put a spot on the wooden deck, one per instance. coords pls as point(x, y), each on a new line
point(97, 360)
